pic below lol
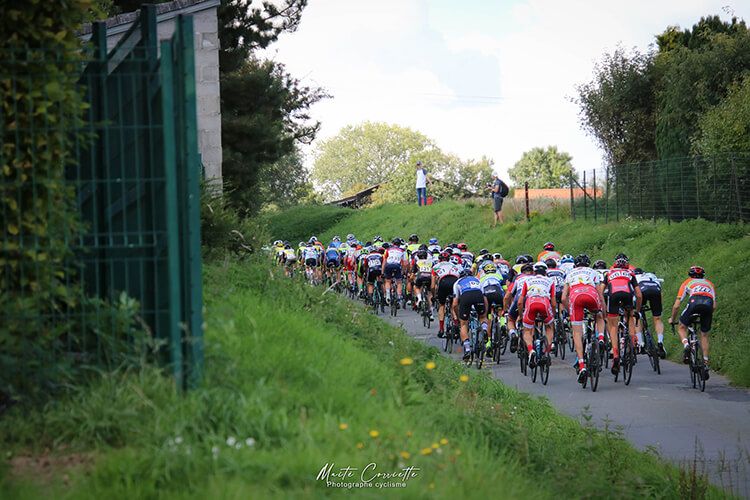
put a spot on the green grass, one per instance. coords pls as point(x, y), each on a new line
point(665, 249)
point(299, 223)
point(287, 366)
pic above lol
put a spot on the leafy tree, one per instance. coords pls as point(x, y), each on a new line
point(726, 127)
point(543, 168)
point(618, 107)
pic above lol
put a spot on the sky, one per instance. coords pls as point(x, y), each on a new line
point(480, 78)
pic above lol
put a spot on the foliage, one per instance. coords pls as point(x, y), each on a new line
point(265, 114)
point(244, 27)
point(726, 127)
point(300, 222)
point(618, 107)
point(262, 427)
point(543, 168)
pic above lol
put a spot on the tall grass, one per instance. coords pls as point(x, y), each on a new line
point(297, 380)
point(660, 247)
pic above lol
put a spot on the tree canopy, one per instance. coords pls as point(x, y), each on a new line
point(543, 168)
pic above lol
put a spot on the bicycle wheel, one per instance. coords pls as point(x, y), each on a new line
point(627, 361)
point(480, 348)
point(503, 339)
point(523, 356)
point(545, 360)
point(535, 368)
point(700, 366)
point(594, 364)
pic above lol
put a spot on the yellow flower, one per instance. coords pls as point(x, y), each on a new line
point(432, 485)
point(463, 378)
point(391, 456)
point(443, 441)
point(426, 451)
point(441, 466)
point(360, 445)
point(342, 427)
point(458, 452)
point(374, 433)
point(408, 433)
point(430, 365)
point(407, 361)
point(435, 446)
point(405, 455)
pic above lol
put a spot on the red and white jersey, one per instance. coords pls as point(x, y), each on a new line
point(394, 255)
point(443, 269)
point(517, 284)
point(538, 286)
point(582, 276)
point(620, 280)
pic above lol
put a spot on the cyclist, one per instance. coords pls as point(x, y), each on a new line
point(650, 287)
point(444, 276)
point(492, 287)
point(278, 251)
point(377, 241)
point(361, 267)
point(702, 300)
point(422, 271)
point(467, 257)
point(621, 285)
point(510, 301)
point(548, 253)
point(433, 247)
point(467, 293)
point(502, 265)
point(310, 257)
point(411, 250)
point(566, 263)
point(581, 291)
point(558, 276)
point(520, 261)
point(290, 259)
point(332, 262)
point(395, 266)
point(483, 266)
point(537, 297)
point(373, 263)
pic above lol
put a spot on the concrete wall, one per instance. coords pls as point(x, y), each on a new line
point(206, 39)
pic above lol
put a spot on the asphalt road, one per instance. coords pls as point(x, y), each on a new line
point(660, 413)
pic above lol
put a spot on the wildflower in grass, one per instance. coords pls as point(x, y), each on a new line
point(435, 446)
point(215, 450)
point(406, 361)
point(408, 433)
point(458, 452)
point(372, 391)
point(391, 456)
point(430, 365)
point(432, 485)
point(342, 427)
point(438, 450)
point(238, 446)
point(187, 450)
point(171, 443)
point(463, 378)
point(426, 451)
point(405, 455)
point(231, 441)
point(441, 466)
point(250, 442)
point(178, 440)
point(443, 441)
point(360, 445)
point(374, 433)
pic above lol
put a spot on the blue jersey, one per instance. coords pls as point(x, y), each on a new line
point(558, 276)
point(466, 284)
point(332, 253)
point(334, 244)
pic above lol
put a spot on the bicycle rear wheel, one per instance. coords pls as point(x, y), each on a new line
point(627, 362)
point(594, 365)
point(480, 348)
point(699, 366)
point(523, 356)
point(545, 360)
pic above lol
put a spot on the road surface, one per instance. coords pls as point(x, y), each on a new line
point(661, 413)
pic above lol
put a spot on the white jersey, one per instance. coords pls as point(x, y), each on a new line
point(539, 286)
point(443, 269)
point(566, 267)
point(582, 276)
point(310, 253)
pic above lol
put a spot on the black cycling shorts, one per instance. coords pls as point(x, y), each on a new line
point(471, 298)
point(652, 297)
point(513, 311)
point(311, 262)
point(392, 272)
point(445, 288)
point(699, 304)
point(423, 280)
point(619, 300)
point(494, 295)
point(373, 275)
point(333, 263)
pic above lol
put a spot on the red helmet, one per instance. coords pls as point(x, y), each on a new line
point(549, 246)
point(622, 262)
point(462, 246)
point(696, 272)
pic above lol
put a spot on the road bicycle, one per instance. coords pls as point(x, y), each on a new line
point(393, 300)
point(500, 336)
point(651, 347)
point(477, 341)
point(628, 357)
point(541, 349)
point(592, 356)
point(449, 336)
point(561, 336)
point(425, 310)
point(696, 363)
point(377, 302)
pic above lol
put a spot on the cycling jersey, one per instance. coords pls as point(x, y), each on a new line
point(517, 284)
point(702, 296)
point(374, 261)
point(582, 282)
point(558, 276)
point(310, 253)
point(537, 290)
point(466, 284)
point(538, 286)
point(334, 244)
point(434, 248)
point(491, 279)
point(582, 276)
point(549, 254)
point(492, 288)
point(394, 256)
point(289, 255)
point(412, 248)
point(503, 267)
point(566, 267)
point(467, 258)
point(620, 280)
point(696, 286)
point(332, 254)
point(443, 269)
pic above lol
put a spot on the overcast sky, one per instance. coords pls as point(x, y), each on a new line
point(479, 77)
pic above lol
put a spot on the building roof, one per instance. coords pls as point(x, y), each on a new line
point(356, 197)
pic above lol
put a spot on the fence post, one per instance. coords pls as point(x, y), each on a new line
point(585, 211)
point(716, 199)
point(666, 189)
point(526, 189)
point(572, 204)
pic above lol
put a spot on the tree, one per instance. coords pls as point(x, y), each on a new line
point(618, 107)
point(726, 127)
point(543, 168)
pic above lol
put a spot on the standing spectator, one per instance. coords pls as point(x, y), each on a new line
point(422, 179)
point(497, 187)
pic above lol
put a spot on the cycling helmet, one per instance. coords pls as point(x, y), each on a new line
point(567, 258)
point(456, 251)
point(549, 246)
point(524, 259)
point(380, 250)
point(696, 272)
point(465, 273)
point(540, 268)
point(309, 244)
point(498, 256)
point(377, 239)
point(621, 256)
point(386, 245)
point(277, 242)
point(621, 262)
point(528, 267)
point(337, 239)
point(422, 254)
point(483, 257)
point(301, 244)
point(396, 242)
point(551, 263)
point(286, 242)
point(414, 238)
point(313, 239)
point(350, 236)
point(455, 260)
point(444, 256)
point(453, 245)
point(638, 270)
point(600, 264)
point(422, 247)
point(287, 246)
point(462, 246)
point(433, 241)
point(582, 260)
point(484, 251)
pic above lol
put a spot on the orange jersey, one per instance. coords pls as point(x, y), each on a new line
point(548, 254)
point(696, 286)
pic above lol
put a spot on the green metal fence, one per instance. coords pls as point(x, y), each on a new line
point(122, 264)
point(712, 187)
